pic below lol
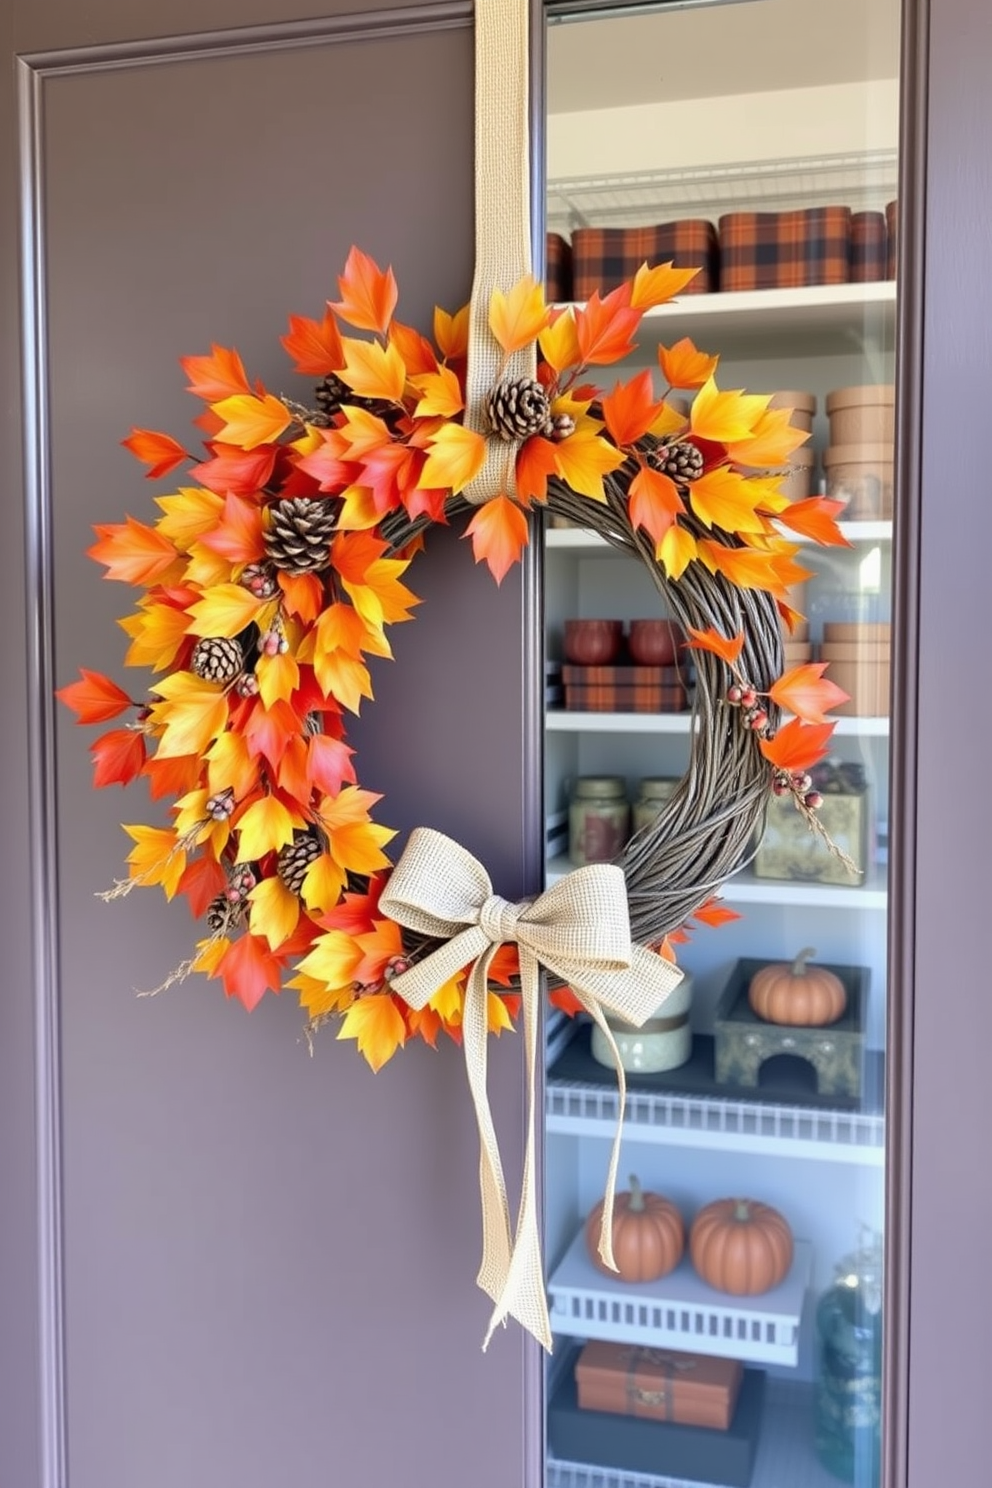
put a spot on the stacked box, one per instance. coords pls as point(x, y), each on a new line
point(859, 660)
point(625, 689)
point(558, 269)
point(789, 850)
point(658, 1384)
point(603, 257)
point(892, 235)
point(785, 250)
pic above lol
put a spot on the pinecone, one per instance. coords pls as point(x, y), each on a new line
point(222, 914)
point(295, 858)
point(217, 659)
point(681, 460)
point(330, 393)
point(518, 409)
point(299, 538)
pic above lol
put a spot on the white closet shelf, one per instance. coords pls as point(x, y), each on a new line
point(680, 1311)
point(560, 721)
point(745, 888)
point(578, 540)
point(713, 1123)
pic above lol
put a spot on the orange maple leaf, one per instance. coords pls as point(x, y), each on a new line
point(416, 351)
point(377, 1025)
point(202, 880)
point(303, 595)
point(368, 294)
point(559, 341)
point(248, 970)
point(536, 460)
point(499, 535)
point(218, 375)
point(727, 648)
point(132, 552)
point(630, 410)
point(238, 535)
point(118, 757)
point(604, 328)
point(654, 502)
point(815, 518)
point(329, 764)
point(797, 745)
point(714, 912)
point(451, 332)
point(518, 318)
point(805, 692)
point(684, 366)
point(725, 417)
point(160, 452)
point(314, 345)
point(94, 698)
point(240, 472)
point(772, 440)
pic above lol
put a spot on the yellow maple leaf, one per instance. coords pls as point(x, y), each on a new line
point(722, 498)
point(449, 1000)
point(518, 318)
point(274, 912)
point(231, 765)
point(192, 814)
point(584, 458)
point(451, 332)
point(266, 826)
point(559, 342)
point(188, 515)
point(278, 677)
point(725, 417)
point(658, 285)
point(454, 457)
point(190, 715)
point(373, 371)
point(156, 857)
point(340, 674)
point(497, 1014)
point(205, 569)
point(669, 421)
point(322, 884)
point(332, 960)
point(317, 999)
point(441, 394)
point(377, 1024)
point(157, 631)
point(358, 511)
point(210, 953)
point(676, 551)
point(354, 841)
point(249, 420)
point(226, 609)
point(382, 599)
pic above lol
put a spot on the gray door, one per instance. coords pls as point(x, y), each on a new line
point(223, 1262)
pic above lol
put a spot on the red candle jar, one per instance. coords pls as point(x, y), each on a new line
point(654, 642)
point(592, 642)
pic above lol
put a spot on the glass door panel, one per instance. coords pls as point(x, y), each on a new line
point(667, 129)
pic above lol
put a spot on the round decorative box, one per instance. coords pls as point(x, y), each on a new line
point(662, 1043)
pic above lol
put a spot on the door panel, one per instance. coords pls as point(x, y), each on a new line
point(268, 1258)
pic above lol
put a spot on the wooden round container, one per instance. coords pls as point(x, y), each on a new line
point(862, 415)
point(802, 405)
point(860, 475)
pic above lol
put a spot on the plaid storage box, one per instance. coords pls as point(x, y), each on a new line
point(869, 246)
point(892, 233)
point(785, 250)
point(624, 689)
point(558, 269)
point(603, 257)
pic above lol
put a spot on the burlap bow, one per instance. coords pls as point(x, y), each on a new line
point(580, 931)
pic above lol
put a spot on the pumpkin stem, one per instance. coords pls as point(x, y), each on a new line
point(742, 1211)
point(799, 964)
point(636, 1205)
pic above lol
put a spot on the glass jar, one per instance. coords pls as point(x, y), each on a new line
point(598, 819)
point(849, 1368)
point(653, 793)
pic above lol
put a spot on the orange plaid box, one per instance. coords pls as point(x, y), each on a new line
point(785, 250)
point(624, 689)
point(603, 257)
point(892, 224)
point(869, 246)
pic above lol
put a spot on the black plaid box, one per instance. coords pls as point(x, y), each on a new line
point(869, 247)
point(784, 250)
point(603, 257)
point(558, 269)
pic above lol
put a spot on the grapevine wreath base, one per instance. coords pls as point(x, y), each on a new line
point(273, 573)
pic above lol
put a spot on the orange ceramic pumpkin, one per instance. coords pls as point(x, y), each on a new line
point(740, 1246)
point(797, 993)
point(648, 1235)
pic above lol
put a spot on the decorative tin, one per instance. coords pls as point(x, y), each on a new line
point(598, 819)
point(658, 1384)
point(789, 850)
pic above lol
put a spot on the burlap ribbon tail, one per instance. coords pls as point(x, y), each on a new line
point(579, 930)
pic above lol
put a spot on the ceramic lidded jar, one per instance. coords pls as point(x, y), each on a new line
point(663, 1042)
point(653, 793)
point(598, 819)
point(654, 642)
point(592, 642)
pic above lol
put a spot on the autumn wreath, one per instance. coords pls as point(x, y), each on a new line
point(273, 574)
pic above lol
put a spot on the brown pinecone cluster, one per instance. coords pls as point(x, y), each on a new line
point(295, 858)
point(520, 408)
point(301, 529)
point(680, 460)
point(332, 392)
point(217, 659)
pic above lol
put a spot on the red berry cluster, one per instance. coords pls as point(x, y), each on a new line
point(755, 716)
point(800, 786)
